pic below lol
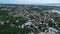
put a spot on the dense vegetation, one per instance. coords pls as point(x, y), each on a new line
point(6, 28)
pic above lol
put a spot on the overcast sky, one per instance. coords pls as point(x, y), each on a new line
point(28, 1)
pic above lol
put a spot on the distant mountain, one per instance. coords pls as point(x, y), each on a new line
point(52, 4)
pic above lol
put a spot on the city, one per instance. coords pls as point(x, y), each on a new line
point(29, 19)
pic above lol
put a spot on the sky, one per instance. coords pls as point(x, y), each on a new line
point(28, 1)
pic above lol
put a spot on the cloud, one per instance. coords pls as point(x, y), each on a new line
point(29, 1)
